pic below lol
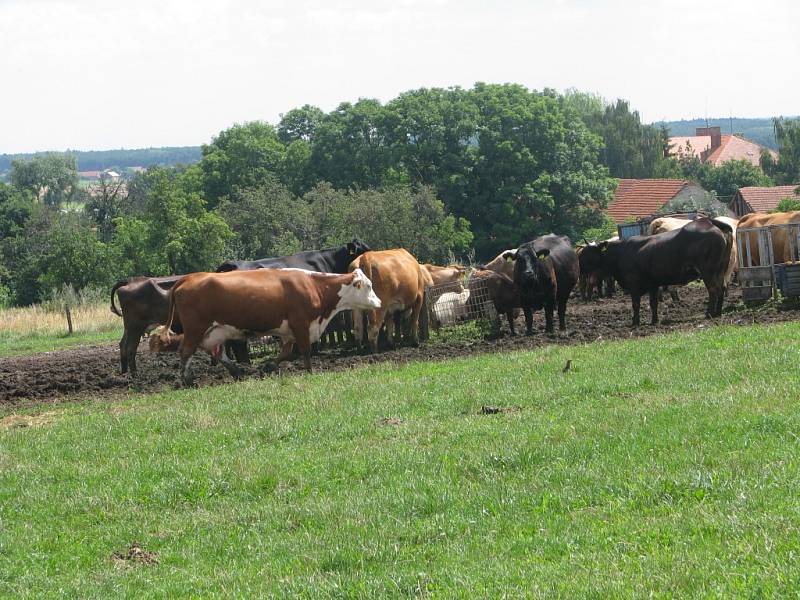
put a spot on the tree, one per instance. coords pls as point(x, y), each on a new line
point(786, 169)
point(51, 178)
point(242, 156)
point(268, 221)
point(105, 204)
point(300, 124)
point(537, 170)
point(727, 178)
point(174, 233)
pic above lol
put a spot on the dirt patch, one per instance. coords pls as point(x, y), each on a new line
point(395, 421)
point(19, 421)
point(496, 410)
point(134, 555)
point(94, 371)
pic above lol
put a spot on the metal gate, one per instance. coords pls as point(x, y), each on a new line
point(785, 244)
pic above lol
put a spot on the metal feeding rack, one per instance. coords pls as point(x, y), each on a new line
point(759, 273)
point(457, 302)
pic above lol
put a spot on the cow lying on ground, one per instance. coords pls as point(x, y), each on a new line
point(449, 308)
point(143, 304)
point(642, 264)
point(399, 281)
point(500, 290)
point(545, 271)
point(293, 304)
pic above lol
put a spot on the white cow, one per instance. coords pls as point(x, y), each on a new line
point(450, 307)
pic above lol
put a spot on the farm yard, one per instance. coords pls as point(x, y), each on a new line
point(663, 465)
point(93, 370)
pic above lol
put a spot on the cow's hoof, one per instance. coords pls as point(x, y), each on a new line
point(269, 367)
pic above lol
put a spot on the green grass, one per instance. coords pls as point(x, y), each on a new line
point(667, 466)
point(17, 345)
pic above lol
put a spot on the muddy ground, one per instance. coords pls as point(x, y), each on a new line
point(94, 371)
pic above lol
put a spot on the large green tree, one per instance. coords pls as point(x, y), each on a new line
point(786, 169)
point(52, 178)
point(241, 156)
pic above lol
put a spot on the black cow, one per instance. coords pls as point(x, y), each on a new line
point(642, 264)
point(545, 271)
point(331, 260)
point(143, 303)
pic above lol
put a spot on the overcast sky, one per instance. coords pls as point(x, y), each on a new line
point(100, 74)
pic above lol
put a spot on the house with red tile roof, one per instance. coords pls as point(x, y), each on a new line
point(762, 199)
point(710, 146)
point(638, 198)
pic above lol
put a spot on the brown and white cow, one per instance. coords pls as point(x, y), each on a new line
point(399, 281)
point(293, 304)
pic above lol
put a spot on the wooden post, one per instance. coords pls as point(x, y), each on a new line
point(69, 318)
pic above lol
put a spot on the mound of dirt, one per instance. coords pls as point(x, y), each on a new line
point(94, 371)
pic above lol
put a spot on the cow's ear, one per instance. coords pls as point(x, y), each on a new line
point(510, 255)
point(603, 246)
point(542, 254)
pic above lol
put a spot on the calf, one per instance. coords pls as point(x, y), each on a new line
point(642, 264)
point(293, 304)
point(399, 281)
point(502, 292)
point(545, 271)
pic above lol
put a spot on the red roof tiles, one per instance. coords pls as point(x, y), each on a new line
point(765, 199)
point(736, 148)
point(642, 197)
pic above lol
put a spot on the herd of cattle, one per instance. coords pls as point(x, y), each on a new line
point(296, 297)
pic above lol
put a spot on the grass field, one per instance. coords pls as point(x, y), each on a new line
point(665, 466)
point(37, 329)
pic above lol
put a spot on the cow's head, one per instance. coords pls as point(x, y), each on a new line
point(359, 293)
point(356, 247)
point(164, 340)
point(592, 257)
point(533, 273)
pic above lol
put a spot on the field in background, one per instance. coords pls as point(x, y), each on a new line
point(41, 329)
point(662, 466)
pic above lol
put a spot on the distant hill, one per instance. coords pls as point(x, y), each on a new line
point(97, 160)
point(759, 131)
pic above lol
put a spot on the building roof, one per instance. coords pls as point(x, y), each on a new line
point(736, 148)
point(692, 145)
point(89, 174)
point(765, 199)
point(642, 197)
point(731, 147)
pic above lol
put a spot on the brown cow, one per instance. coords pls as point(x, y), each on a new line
point(502, 263)
point(399, 281)
point(502, 291)
point(293, 304)
point(448, 274)
point(780, 241)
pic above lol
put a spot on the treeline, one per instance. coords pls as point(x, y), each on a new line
point(97, 160)
point(443, 172)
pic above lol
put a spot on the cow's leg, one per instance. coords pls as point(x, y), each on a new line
point(528, 320)
point(358, 327)
point(548, 317)
point(239, 351)
point(286, 352)
point(510, 317)
point(233, 368)
point(673, 293)
point(123, 355)
point(132, 337)
point(375, 319)
point(562, 313)
point(414, 325)
point(715, 287)
point(609, 287)
point(303, 341)
point(653, 307)
point(636, 300)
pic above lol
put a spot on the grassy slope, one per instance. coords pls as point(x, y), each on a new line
point(18, 345)
point(668, 464)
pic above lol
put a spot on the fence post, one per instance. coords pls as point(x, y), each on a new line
point(69, 318)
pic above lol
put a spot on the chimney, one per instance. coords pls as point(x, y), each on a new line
point(716, 136)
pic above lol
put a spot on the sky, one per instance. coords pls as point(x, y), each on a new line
point(100, 74)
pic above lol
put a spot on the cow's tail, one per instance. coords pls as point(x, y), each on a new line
point(171, 319)
point(114, 289)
